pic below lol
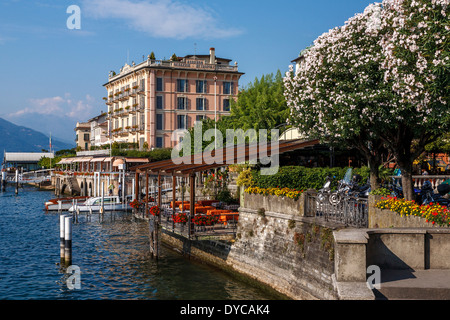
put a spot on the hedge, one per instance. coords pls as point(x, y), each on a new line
point(298, 177)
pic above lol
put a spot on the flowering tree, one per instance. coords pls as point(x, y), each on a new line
point(337, 90)
point(367, 85)
point(415, 46)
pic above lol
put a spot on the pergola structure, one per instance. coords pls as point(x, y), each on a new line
point(188, 166)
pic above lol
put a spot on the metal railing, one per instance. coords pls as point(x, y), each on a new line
point(352, 212)
point(189, 64)
point(37, 176)
point(419, 180)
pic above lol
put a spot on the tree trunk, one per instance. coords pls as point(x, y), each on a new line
point(374, 163)
point(407, 183)
point(373, 156)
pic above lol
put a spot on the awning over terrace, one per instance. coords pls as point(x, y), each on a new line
point(229, 155)
point(189, 165)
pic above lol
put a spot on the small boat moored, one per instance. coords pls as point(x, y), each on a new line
point(66, 203)
point(94, 204)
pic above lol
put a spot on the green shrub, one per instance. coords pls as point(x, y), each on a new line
point(381, 192)
point(297, 177)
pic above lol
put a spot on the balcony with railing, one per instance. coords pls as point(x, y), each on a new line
point(124, 95)
point(133, 108)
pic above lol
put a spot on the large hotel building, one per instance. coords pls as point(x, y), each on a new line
point(148, 101)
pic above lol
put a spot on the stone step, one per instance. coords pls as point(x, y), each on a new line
point(430, 284)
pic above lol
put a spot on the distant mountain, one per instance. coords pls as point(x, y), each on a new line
point(14, 138)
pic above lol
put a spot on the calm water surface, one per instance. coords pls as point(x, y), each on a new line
point(112, 255)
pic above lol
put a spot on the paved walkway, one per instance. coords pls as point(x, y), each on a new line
point(431, 284)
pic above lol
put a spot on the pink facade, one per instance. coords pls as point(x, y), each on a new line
point(148, 101)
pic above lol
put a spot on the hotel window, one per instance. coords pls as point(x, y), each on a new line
point(226, 104)
point(142, 86)
point(227, 87)
point(159, 102)
point(181, 122)
point(182, 103)
point(200, 103)
point(159, 142)
point(159, 122)
point(199, 117)
point(159, 84)
point(200, 86)
point(182, 85)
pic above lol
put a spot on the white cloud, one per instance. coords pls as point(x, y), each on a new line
point(160, 18)
point(59, 107)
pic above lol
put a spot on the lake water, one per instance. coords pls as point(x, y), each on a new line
point(113, 257)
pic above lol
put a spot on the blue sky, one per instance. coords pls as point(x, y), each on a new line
point(51, 76)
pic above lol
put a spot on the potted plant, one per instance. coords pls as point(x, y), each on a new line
point(180, 218)
point(135, 204)
point(154, 211)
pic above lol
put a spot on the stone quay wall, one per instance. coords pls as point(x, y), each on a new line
point(285, 252)
point(307, 258)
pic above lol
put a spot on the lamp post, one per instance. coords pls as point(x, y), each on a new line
point(155, 186)
point(215, 113)
point(182, 194)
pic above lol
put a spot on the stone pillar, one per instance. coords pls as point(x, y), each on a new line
point(350, 265)
point(350, 255)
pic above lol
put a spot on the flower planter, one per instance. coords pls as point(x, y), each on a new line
point(273, 203)
point(385, 218)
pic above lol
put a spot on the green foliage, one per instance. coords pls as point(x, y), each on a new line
point(381, 192)
point(245, 178)
point(225, 196)
point(48, 163)
point(261, 105)
point(154, 155)
point(440, 145)
point(65, 152)
point(384, 173)
point(302, 178)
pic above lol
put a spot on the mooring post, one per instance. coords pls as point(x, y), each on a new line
point(68, 240)
point(3, 185)
point(17, 181)
point(102, 209)
point(61, 237)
